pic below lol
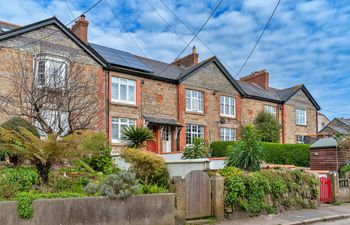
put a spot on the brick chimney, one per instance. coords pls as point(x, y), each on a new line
point(260, 78)
point(80, 28)
point(189, 60)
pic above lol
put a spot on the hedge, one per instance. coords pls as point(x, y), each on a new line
point(295, 154)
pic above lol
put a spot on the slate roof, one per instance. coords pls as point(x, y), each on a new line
point(345, 121)
point(162, 121)
point(137, 65)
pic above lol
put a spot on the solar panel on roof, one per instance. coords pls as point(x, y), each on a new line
point(120, 58)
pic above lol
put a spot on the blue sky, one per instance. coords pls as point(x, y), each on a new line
point(307, 41)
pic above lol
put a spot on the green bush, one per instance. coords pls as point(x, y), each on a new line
point(120, 185)
point(343, 170)
point(247, 154)
point(25, 200)
point(22, 177)
point(267, 190)
point(153, 189)
point(295, 154)
point(267, 127)
point(148, 167)
point(229, 171)
point(16, 122)
point(195, 151)
point(219, 148)
point(101, 160)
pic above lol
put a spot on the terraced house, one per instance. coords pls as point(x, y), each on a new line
point(180, 100)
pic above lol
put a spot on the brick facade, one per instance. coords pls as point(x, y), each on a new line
point(21, 49)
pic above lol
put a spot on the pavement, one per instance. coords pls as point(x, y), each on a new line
point(333, 214)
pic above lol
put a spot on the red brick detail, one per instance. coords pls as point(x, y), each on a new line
point(80, 29)
point(260, 78)
point(138, 93)
point(283, 124)
point(139, 122)
point(158, 138)
point(206, 133)
point(238, 107)
point(101, 96)
point(205, 101)
point(181, 111)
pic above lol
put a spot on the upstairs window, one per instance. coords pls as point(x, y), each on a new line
point(51, 71)
point(194, 101)
point(193, 131)
point(300, 117)
point(123, 90)
point(270, 109)
point(227, 106)
point(118, 125)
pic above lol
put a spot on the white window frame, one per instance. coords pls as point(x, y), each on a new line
point(194, 131)
point(227, 134)
point(51, 119)
point(194, 101)
point(116, 94)
point(270, 109)
point(300, 119)
point(49, 60)
point(227, 102)
point(119, 121)
point(300, 141)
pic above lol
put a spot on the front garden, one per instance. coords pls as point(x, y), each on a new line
point(76, 165)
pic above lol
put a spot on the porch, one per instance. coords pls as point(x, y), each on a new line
point(166, 132)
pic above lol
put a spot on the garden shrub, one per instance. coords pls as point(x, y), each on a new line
point(138, 136)
point(268, 190)
point(267, 127)
point(120, 185)
point(229, 171)
point(148, 167)
point(220, 148)
point(153, 189)
point(195, 151)
point(295, 154)
point(248, 152)
point(101, 160)
point(25, 200)
point(22, 177)
point(343, 170)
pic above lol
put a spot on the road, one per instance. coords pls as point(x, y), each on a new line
point(337, 222)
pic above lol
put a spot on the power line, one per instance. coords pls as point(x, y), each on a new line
point(86, 11)
point(156, 11)
point(259, 38)
point(125, 30)
point(189, 29)
point(70, 10)
point(205, 23)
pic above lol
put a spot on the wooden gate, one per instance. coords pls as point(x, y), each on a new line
point(325, 190)
point(198, 195)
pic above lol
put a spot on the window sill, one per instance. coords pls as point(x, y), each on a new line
point(301, 125)
point(195, 113)
point(228, 116)
point(123, 104)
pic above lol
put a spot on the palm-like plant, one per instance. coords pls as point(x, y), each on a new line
point(195, 151)
point(138, 136)
point(248, 152)
point(43, 153)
